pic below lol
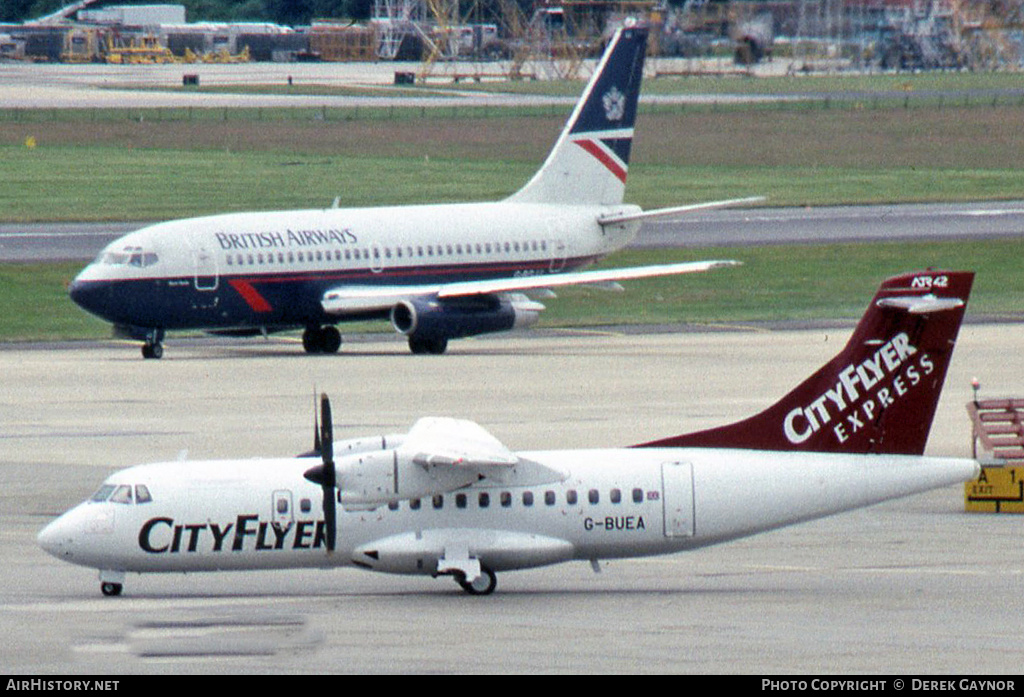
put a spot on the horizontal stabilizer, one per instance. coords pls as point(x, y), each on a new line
point(921, 305)
point(614, 218)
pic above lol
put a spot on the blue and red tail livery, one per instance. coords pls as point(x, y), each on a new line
point(597, 139)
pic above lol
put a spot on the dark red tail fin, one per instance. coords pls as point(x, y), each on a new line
point(880, 393)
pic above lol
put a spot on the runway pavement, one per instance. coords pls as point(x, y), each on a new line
point(907, 588)
point(88, 86)
point(40, 242)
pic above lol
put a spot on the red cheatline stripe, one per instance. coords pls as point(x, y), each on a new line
point(256, 301)
point(595, 150)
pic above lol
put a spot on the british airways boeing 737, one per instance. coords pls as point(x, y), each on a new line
point(439, 272)
point(448, 499)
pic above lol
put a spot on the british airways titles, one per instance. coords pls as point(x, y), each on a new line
point(285, 239)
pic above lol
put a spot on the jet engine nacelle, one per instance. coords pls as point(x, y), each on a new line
point(454, 319)
point(373, 479)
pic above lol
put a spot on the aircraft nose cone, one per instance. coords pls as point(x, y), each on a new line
point(56, 539)
point(88, 296)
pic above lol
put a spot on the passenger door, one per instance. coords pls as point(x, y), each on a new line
point(677, 498)
point(205, 268)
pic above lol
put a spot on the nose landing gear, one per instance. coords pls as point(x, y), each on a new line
point(154, 347)
point(111, 589)
point(111, 582)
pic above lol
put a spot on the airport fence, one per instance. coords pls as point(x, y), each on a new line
point(659, 104)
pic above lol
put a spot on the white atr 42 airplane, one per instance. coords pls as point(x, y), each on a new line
point(448, 499)
point(439, 272)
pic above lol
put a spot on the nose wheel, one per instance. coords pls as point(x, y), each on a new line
point(111, 589)
point(154, 346)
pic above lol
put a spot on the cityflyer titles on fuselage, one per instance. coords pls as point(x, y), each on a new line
point(285, 239)
point(164, 535)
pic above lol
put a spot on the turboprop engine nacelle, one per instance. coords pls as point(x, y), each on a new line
point(372, 479)
point(355, 446)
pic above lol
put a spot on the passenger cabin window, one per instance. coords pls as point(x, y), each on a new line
point(616, 496)
point(571, 497)
point(638, 495)
point(594, 496)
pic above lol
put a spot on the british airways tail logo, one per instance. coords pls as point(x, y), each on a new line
point(614, 103)
point(605, 155)
point(862, 392)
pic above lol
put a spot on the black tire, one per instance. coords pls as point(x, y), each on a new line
point(424, 345)
point(311, 340)
point(111, 589)
point(321, 340)
point(330, 340)
point(484, 584)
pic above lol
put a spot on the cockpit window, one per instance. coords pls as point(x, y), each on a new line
point(128, 256)
point(103, 493)
point(122, 495)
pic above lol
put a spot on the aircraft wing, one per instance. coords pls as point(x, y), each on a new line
point(446, 442)
point(370, 298)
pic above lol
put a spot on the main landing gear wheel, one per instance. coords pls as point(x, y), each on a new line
point(321, 339)
point(111, 589)
point(154, 351)
point(483, 585)
point(424, 345)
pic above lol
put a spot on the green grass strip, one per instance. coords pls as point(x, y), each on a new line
point(776, 283)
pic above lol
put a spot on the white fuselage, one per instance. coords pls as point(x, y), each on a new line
point(262, 514)
point(266, 270)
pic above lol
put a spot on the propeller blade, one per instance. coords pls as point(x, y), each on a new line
point(329, 477)
point(316, 427)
